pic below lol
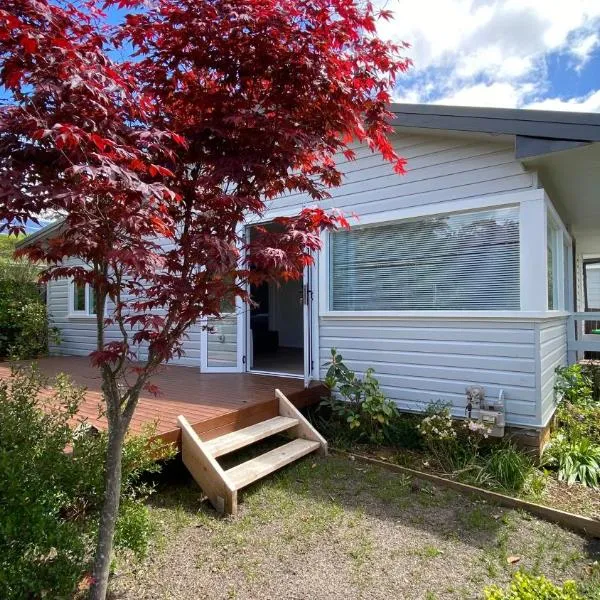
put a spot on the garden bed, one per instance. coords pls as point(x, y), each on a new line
point(359, 418)
point(546, 489)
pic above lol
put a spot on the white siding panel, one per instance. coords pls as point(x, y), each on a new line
point(553, 354)
point(418, 362)
point(439, 169)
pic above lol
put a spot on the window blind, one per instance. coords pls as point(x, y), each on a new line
point(467, 261)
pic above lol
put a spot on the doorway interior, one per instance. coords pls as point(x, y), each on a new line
point(276, 328)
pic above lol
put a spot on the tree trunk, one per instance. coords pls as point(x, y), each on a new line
point(110, 511)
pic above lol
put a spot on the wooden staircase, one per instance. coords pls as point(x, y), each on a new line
point(221, 486)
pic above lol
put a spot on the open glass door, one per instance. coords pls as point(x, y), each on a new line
point(308, 301)
point(222, 342)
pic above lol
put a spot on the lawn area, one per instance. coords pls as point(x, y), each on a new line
point(333, 528)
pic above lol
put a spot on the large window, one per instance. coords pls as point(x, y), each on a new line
point(466, 261)
point(83, 299)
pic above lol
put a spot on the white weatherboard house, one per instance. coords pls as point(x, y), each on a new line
point(465, 271)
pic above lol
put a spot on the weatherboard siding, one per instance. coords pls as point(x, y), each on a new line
point(416, 360)
point(553, 353)
point(439, 169)
point(421, 361)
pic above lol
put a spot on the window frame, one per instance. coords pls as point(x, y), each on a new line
point(80, 314)
point(562, 245)
point(532, 206)
point(585, 263)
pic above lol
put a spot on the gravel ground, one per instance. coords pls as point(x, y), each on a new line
point(334, 529)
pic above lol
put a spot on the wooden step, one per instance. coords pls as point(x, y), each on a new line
point(244, 437)
point(262, 465)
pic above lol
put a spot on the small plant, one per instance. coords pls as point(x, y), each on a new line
point(438, 423)
point(530, 587)
point(359, 403)
point(454, 445)
point(508, 467)
point(440, 437)
point(576, 460)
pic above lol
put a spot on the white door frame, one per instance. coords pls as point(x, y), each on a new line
point(311, 322)
point(310, 336)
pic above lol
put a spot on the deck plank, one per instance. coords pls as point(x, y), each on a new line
point(214, 403)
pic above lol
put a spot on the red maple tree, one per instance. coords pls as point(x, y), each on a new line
point(153, 163)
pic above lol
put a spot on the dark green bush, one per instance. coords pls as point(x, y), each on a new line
point(591, 370)
point(52, 486)
point(24, 327)
point(573, 385)
point(403, 431)
point(579, 422)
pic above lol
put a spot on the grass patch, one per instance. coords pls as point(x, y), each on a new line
point(428, 552)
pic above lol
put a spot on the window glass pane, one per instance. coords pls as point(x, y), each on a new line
point(227, 305)
point(92, 301)
point(222, 342)
point(592, 286)
point(467, 261)
point(78, 297)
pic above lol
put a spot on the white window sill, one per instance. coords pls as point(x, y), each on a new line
point(81, 316)
point(444, 314)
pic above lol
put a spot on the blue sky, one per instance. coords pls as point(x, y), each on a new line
point(508, 53)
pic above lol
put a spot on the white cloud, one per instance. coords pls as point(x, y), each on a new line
point(489, 52)
point(583, 47)
point(495, 94)
point(589, 103)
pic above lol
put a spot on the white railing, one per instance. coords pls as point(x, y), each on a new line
point(580, 338)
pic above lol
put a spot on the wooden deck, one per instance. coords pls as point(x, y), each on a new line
point(214, 404)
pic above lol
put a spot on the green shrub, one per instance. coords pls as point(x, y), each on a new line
point(579, 422)
point(49, 497)
point(574, 385)
point(575, 459)
point(359, 403)
point(507, 467)
point(24, 327)
point(530, 587)
point(591, 370)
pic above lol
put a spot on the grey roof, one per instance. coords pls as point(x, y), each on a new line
point(40, 234)
point(556, 125)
